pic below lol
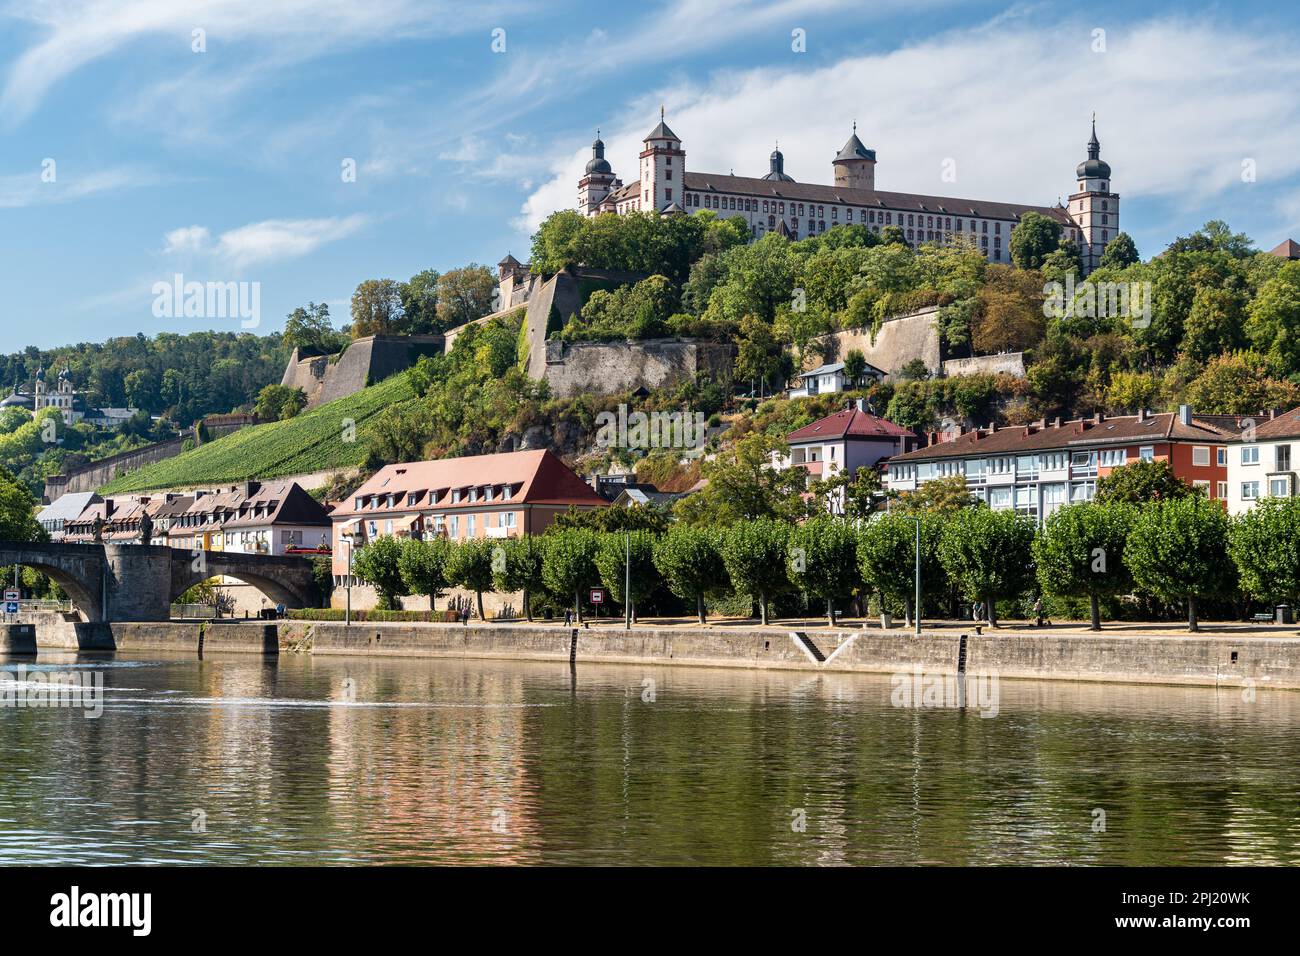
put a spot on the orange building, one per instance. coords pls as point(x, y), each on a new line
point(481, 496)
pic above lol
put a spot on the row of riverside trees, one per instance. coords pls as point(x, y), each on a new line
point(1182, 551)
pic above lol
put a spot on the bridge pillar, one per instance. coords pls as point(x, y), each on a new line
point(137, 582)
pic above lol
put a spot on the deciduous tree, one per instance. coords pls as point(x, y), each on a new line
point(1265, 546)
point(755, 555)
point(988, 554)
point(378, 564)
point(690, 561)
point(1033, 239)
point(469, 565)
point(517, 566)
point(1142, 481)
point(1080, 553)
point(569, 563)
point(823, 560)
point(886, 557)
point(422, 565)
point(1178, 551)
point(615, 550)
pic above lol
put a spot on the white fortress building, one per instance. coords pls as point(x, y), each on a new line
point(776, 203)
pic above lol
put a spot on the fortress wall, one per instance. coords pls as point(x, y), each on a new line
point(606, 368)
point(899, 341)
point(1010, 363)
point(366, 361)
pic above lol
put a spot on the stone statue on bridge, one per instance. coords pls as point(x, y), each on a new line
point(146, 528)
point(97, 530)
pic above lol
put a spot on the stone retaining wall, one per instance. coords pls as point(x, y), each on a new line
point(17, 639)
point(1268, 661)
point(1119, 658)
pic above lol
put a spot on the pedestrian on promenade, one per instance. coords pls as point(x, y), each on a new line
point(568, 617)
point(977, 611)
point(1038, 611)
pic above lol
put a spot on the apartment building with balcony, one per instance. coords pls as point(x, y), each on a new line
point(1262, 462)
point(1036, 469)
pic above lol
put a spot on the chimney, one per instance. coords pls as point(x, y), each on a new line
point(1098, 418)
point(1142, 414)
point(109, 506)
point(1185, 414)
point(993, 427)
point(1056, 422)
point(861, 403)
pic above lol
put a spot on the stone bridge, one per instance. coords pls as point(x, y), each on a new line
point(136, 582)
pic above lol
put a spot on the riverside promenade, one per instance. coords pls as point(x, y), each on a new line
point(1228, 654)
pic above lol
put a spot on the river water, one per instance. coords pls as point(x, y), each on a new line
point(241, 760)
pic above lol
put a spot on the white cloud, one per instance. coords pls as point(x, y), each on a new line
point(30, 189)
point(186, 239)
point(1180, 104)
point(275, 239)
point(77, 32)
point(260, 242)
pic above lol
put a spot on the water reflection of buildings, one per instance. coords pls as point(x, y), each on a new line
point(429, 782)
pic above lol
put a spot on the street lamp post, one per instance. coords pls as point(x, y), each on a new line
point(627, 582)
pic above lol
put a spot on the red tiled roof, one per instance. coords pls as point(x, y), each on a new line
point(1286, 249)
point(1015, 439)
point(1286, 425)
point(852, 196)
point(543, 479)
point(849, 423)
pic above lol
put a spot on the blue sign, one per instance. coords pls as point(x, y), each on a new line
point(11, 607)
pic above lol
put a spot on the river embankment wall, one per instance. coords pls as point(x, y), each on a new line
point(1236, 659)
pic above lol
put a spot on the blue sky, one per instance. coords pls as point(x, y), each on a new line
point(226, 164)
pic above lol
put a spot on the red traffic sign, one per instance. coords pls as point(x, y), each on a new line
point(597, 595)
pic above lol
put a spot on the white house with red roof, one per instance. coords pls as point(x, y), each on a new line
point(845, 441)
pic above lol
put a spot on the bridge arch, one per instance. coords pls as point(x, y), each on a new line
point(137, 582)
point(79, 574)
point(276, 591)
point(284, 580)
point(85, 598)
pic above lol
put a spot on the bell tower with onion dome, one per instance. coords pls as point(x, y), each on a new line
point(597, 180)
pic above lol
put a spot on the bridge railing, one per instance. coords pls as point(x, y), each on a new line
point(62, 607)
point(192, 611)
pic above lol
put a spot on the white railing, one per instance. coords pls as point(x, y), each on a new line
point(61, 607)
point(190, 611)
